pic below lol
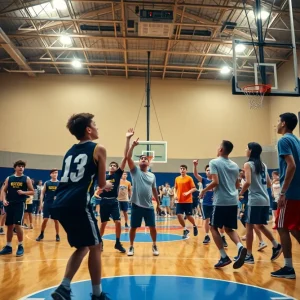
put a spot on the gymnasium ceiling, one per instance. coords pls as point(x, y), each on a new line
point(197, 46)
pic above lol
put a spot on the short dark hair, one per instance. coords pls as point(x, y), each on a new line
point(290, 120)
point(20, 163)
point(183, 166)
point(227, 146)
point(78, 123)
point(275, 173)
point(53, 170)
point(207, 166)
point(143, 155)
point(115, 163)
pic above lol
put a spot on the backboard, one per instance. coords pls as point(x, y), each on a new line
point(157, 150)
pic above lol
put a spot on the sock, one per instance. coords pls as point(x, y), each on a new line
point(1, 227)
point(249, 253)
point(117, 240)
point(8, 244)
point(20, 243)
point(221, 234)
point(239, 245)
point(223, 253)
point(288, 262)
point(97, 289)
point(275, 244)
point(185, 228)
point(66, 282)
point(206, 233)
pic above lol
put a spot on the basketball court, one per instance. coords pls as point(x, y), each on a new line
point(185, 75)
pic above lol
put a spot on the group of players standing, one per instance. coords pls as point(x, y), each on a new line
point(86, 161)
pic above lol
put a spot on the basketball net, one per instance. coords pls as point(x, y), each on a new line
point(255, 94)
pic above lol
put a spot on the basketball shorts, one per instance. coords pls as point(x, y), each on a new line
point(184, 208)
point(109, 208)
point(47, 211)
point(274, 205)
point(224, 216)
point(166, 202)
point(14, 213)
point(29, 208)
point(206, 211)
point(195, 203)
point(257, 215)
point(139, 213)
point(288, 217)
point(79, 224)
point(123, 205)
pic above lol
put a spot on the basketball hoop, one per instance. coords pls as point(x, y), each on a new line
point(255, 93)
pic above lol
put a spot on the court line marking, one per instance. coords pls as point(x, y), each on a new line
point(195, 277)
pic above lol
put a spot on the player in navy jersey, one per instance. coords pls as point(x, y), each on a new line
point(109, 204)
point(15, 191)
point(207, 204)
point(47, 196)
point(72, 208)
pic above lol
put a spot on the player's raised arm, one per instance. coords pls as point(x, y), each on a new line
point(198, 177)
point(129, 154)
point(129, 134)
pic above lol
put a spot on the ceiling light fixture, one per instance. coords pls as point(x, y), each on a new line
point(240, 48)
point(59, 4)
point(76, 64)
point(225, 70)
point(263, 15)
point(65, 40)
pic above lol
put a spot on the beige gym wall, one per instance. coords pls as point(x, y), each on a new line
point(194, 115)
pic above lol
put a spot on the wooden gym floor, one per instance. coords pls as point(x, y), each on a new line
point(43, 263)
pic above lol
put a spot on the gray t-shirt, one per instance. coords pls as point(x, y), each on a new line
point(142, 184)
point(225, 194)
point(258, 192)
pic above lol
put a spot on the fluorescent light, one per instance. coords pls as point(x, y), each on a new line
point(225, 70)
point(59, 4)
point(76, 64)
point(65, 40)
point(263, 15)
point(240, 48)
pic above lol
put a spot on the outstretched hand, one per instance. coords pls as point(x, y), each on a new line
point(136, 142)
point(195, 162)
point(130, 133)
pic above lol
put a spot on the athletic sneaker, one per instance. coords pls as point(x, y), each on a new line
point(6, 250)
point(284, 272)
point(20, 251)
point(119, 247)
point(206, 240)
point(25, 226)
point(276, 252)
point(155, 250)
point(103, 296)
point(40, 237)
point(61, 293)
point(223, 262)
point(249, 259)
point(224, 241)
point(185, 233)
point(2, 231)
point(240, 259)
point(130, 251)
point(57, 238)
point(262, 245)
point(126, 225)
point(195, 230)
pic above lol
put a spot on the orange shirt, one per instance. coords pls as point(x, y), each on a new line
point(183, 185)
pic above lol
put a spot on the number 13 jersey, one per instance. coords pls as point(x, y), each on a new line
point(78, 173)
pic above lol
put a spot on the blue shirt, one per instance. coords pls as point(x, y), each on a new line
point(208, 197)
point(289, 144)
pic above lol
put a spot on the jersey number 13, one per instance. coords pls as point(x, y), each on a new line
point(80, 161)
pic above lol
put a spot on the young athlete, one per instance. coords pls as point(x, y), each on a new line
point(185, 186)
point(166, 200)
point(207, 204)
point(257, 180)
point(46, 201)
point(144, 186)
point(124, 195)
point(82, 163)
point(275, 194)
point(16, 189)
point(225, 183)
point(109, 205)
point(2, 210)
point(288, 216)
point(28, 213)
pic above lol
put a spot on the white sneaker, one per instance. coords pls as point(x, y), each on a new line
point(155, 250)
point(130, 251)
point(261, 246)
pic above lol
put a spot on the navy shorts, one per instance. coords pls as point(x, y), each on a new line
point(195, 202)
point(109, 208)
point(206, 211)
point(257, 215)
point(80, 225)
point(14, 213)
point(29, 208)
point(224, 216)
point(47, 211)
point(186, 208)
point(274, 205)
point(139, 213)
point(123, 205)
